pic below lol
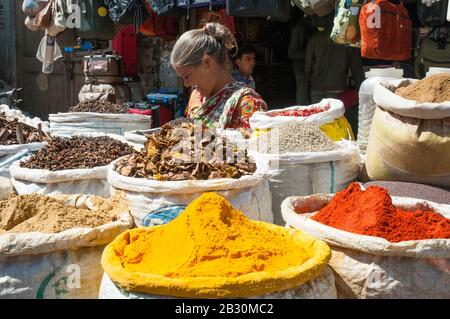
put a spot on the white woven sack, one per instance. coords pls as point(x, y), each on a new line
point(85, 122)
point(91, 181)
point(311, 172)
point(262, 120)
point(12, 114)
point(250, 194)
point(62, 265)
point(321, 287)
point(372, 267)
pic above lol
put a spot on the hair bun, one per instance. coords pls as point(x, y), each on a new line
point(222, 34)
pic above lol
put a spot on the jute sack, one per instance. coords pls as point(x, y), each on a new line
point(409, 141)
point(372, 267)
point(62, 265)
point(312, 279)
point(145, 197)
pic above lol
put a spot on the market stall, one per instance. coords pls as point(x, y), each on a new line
point(118, 197)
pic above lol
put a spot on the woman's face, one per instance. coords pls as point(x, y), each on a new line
point(200, 77)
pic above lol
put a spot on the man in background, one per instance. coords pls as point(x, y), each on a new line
point(328, 65)
point(297, 52)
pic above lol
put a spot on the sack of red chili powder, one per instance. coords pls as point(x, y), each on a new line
point(382, 247)
point(328, 114)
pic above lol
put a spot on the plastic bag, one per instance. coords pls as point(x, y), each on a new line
point(48, 52)
point(318, 7)
point(321, 287)
point(248, 285)
point(346, 25)
point(33, 7)
point(88, 122)
point(58, 24)
point(432, 12)
point(127, 11)
point(90, 181)
point(44, 18)
point(163, 7)
point(29, 23)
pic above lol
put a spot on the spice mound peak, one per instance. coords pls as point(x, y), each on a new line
point(213, 250)
point(211, 238)
point(371, 212)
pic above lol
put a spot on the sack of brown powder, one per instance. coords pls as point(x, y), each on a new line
point(51, 247)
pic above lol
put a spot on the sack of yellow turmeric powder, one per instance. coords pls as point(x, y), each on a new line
point(214, 251)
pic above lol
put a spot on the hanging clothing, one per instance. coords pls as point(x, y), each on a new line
point(231, 107)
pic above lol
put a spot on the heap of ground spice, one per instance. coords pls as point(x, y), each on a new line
point(296, 137)
point(210, 239)
point(432, 89)
point(372, 213)
point(39, 213)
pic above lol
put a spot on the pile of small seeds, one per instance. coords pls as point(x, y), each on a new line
point(99, 107)
point(77, 152)
point(295, 137)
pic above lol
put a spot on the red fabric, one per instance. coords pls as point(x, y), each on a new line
point(350, 98)
point(165, 27)
point(393, 39)
point(125, 43)
point(141, 112)
point(372, 213)
point(165, 114)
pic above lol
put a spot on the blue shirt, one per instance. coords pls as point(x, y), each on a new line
point(239, 77)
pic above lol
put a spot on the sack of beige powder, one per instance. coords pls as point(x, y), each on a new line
point(410, 136)
point(50, 247)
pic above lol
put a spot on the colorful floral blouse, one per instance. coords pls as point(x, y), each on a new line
point(231, 107)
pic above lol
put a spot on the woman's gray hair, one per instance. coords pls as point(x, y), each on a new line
point(213, 39)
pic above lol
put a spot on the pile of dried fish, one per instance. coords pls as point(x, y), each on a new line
point(173, 154)
point(14, 132)
point(99, 107)
point(77, 152)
